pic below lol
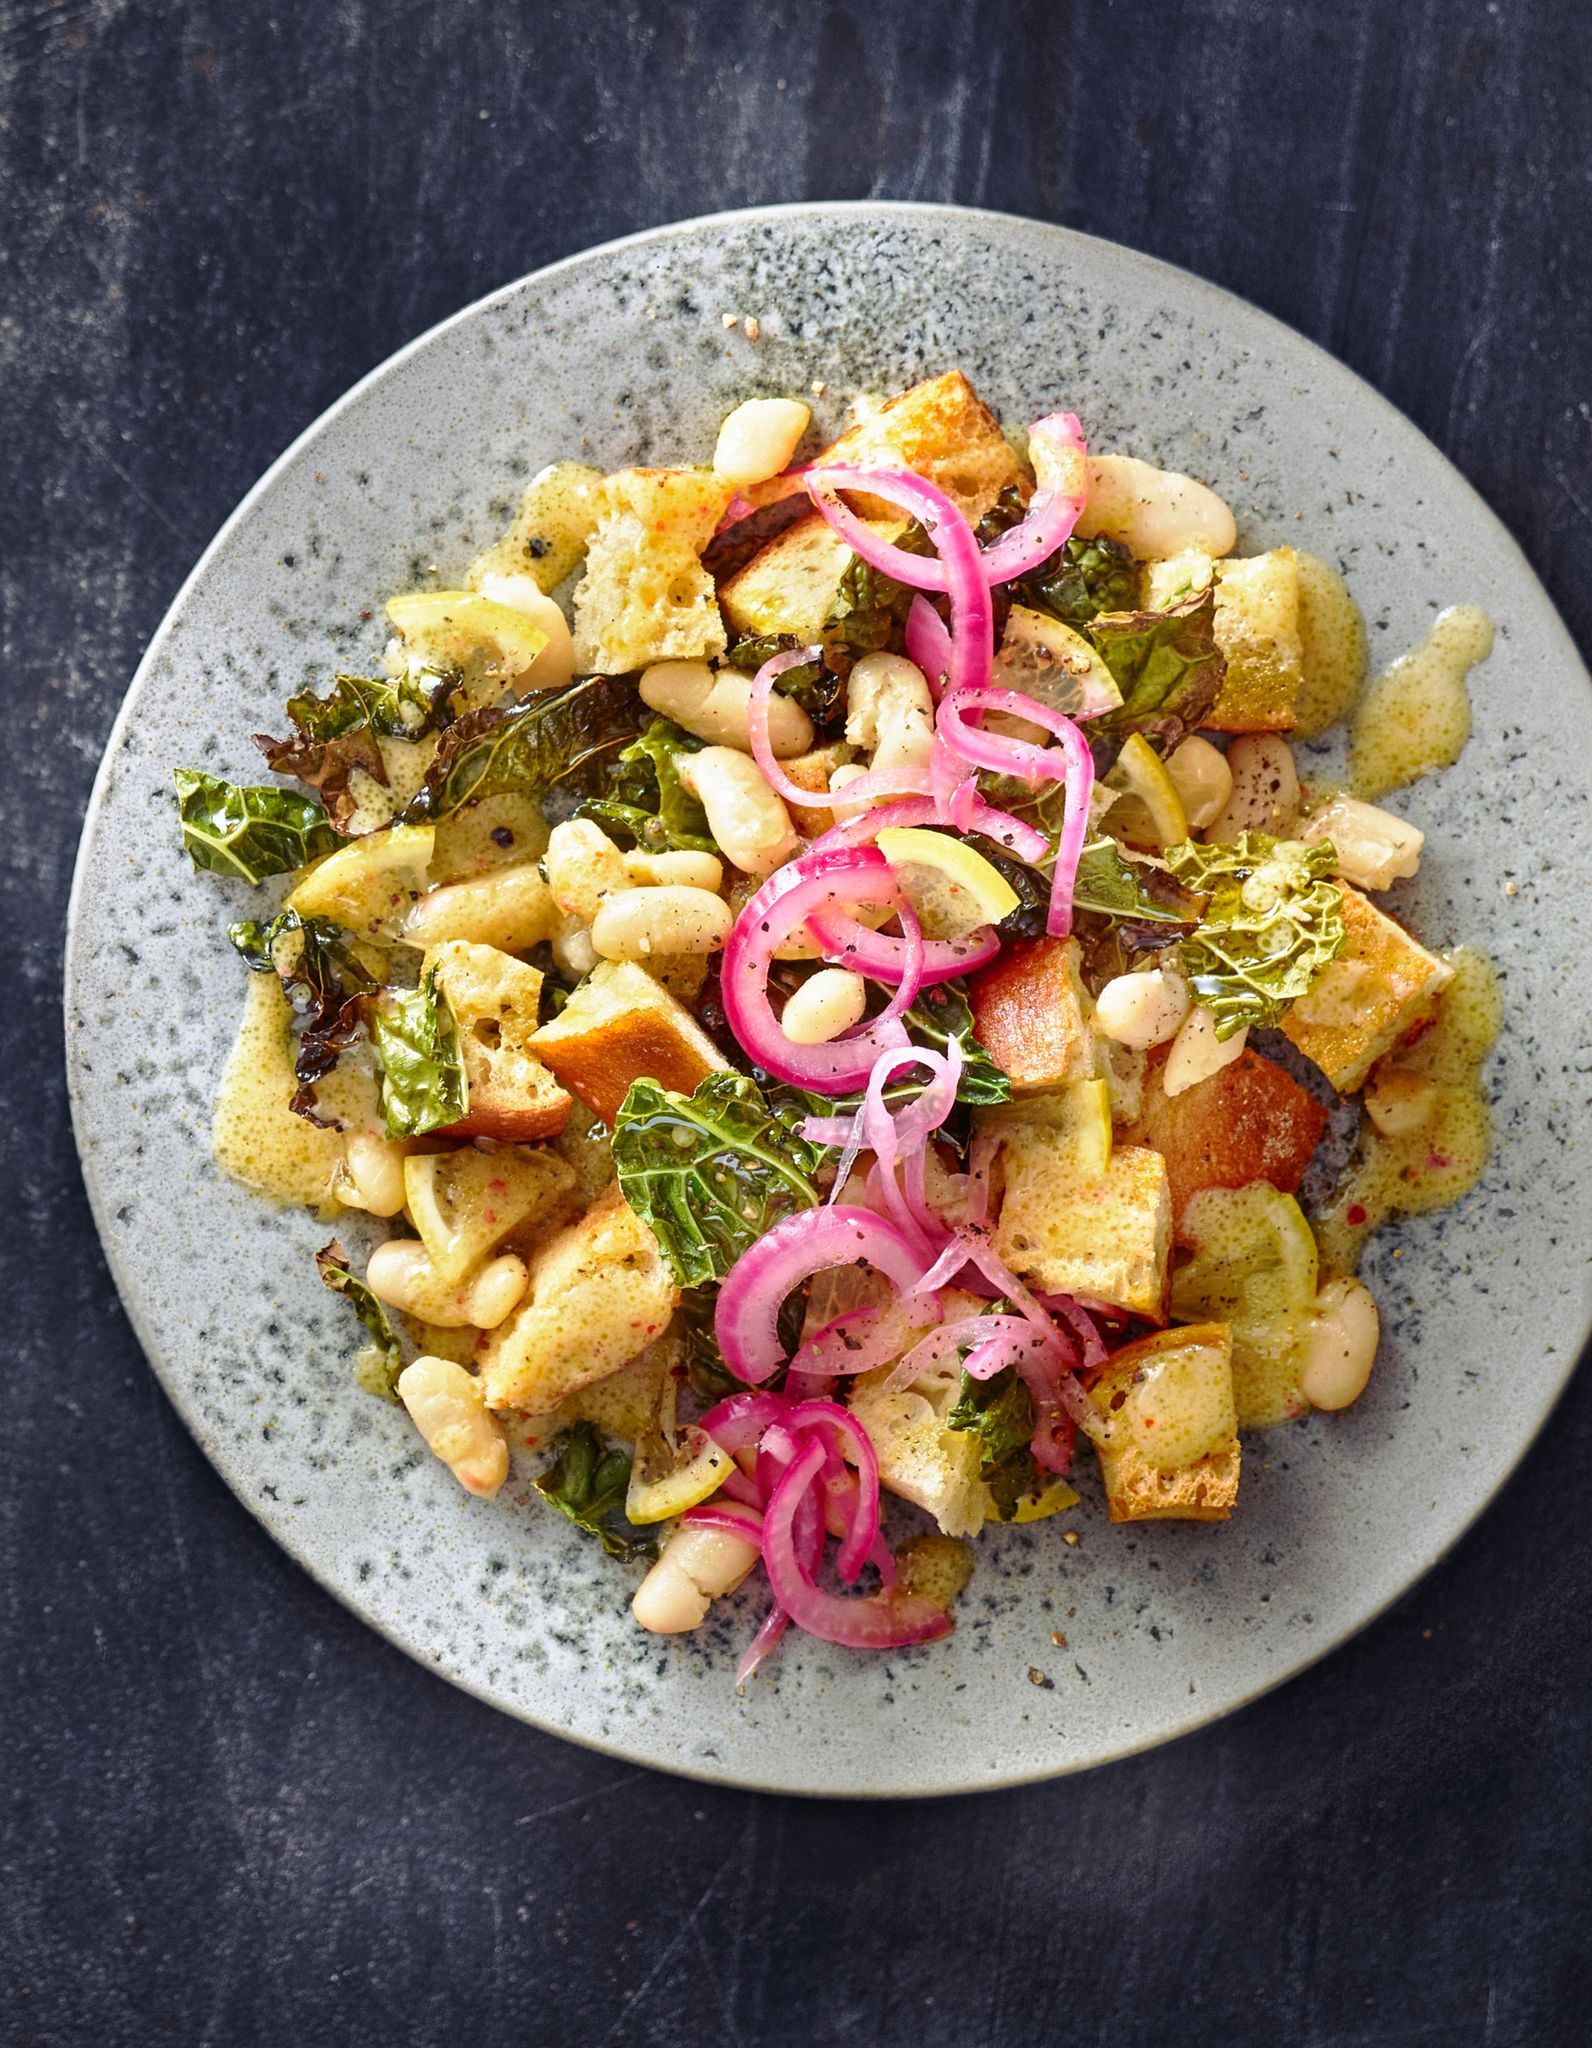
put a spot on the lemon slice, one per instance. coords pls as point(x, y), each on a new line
point(664, 1482)
point(1148, 810)
point(950, 885)
point(1049, 661)
point(1255, 1268)
point(447, 628)
point(371, 885)
point(1053, 1499)
point(465, 1203)
point(1079, 1111)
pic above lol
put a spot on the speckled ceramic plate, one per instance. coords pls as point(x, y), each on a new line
point(623, 355)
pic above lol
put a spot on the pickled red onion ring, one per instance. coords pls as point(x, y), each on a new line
point(746, 1316)
point(1061, 470)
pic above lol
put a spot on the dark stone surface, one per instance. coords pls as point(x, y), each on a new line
point(232, 1813)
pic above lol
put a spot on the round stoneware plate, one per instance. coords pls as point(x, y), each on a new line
point(623, 356)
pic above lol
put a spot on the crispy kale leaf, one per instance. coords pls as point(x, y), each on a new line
point(417, 1042)
point(815, 685)
point(1000, 1410)
point(710, 1171)
point(646, 802)
point(325, 982)
point(379, 1364)
point(528, 748)
point(230, 828)
point(1166, 664)
point(587, 1484)
point(336, 734)
point(1081, 578)
point(1272, 921)
point(1149, 907)
point(733, 546)
point(940, 1014)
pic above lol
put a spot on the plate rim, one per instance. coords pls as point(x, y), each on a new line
point(1195, 288)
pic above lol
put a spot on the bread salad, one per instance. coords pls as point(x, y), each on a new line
point(831, 974)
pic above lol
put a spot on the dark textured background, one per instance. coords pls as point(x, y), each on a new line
point(231, 1813)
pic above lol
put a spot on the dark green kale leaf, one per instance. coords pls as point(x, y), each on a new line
point(1081, 578)
point(336, 734)
point(587, 1484)
point(709, 1377)
point(1273, 920)
point(527, 749)
point(249, 831)
point(323, 979)
point(1133, 892)
point(378, 1368)
point(710, 1172)
point(1000, 1411)
point(941, 1013)
point(1167, 666)
point(733, 546)
point(645, 801)
point(423, 1086)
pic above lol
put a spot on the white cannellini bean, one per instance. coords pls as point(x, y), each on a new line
point(827, 1003)
point(373, 1177)
point(1154, 512)
point(573, 952)
point(747, 820)
point(510, 908)
point(759, 438)
point(583, 865)
point(890, 709)
point(1202, 779)
point(696, 1567)
point(446, 1406)
point(1339, 1346)
point(1265, 792)
point(1197, 1052)
point(684, 869)
point(401, 1274)
point(554, 666)
point(1374, 848)
point(633, 924)
point(712, 704)
point(1141, 1010)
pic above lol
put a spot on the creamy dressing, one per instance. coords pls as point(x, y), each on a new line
point(1442, 1157)
point(1416, 716)
point(255, 1136)
point(1332, 647)
point(1178, 1406)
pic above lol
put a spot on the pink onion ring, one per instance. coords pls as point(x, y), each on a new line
point(928, 641)
point(746, 1316)
point(1061, 469)
point(762, 685)
point(1015, 834)
point(733, 1517)
point(884, 957)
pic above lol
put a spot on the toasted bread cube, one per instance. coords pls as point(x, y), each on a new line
point(1249, 1121)
point(1379, 988)
point(1108, 1238)
point(812, 771)
point(1173, 1452)
point(1028, 1013)
point(621, 1024)
point(599, 1293)
point(1257, 629)
point(494, 999)
point(645, 596)
point(940, 430)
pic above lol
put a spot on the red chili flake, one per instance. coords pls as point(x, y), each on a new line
point(1355, 1213)
point(489, 1215)
point(497, 1187)
point(1438, 1159)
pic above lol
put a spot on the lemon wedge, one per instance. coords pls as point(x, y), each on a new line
point(465, 1203)
point(665, 1481)
point(1049, 661)
point(370, 885)
point(1255, 1267)
point(1052, 1499)
point(950, 885)
point(448, 628)
point(1148, 810)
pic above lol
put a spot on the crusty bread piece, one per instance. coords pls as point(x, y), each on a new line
point(1379, 988)
point(494, 999)
point(1248, 1122)
point(1028, 1013)
point(645, 596)
point(1107, 1237)
point(621, 1024)
point(812, 770)
point(1257, 629)
point(599, 1293)
point(1178, 1383)
point(940, 430)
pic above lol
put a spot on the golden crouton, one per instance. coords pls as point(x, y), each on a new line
point(1028, 1013)
point(812, 771)
point(1381, 986)
point(1106, 1237)
point(1250, 1121)
point(599, 1293)
point(645, 596)
point(1257, 629)
point(621, 1024)
point(494, 999)
point(1172, 1450)
point(940, 430)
